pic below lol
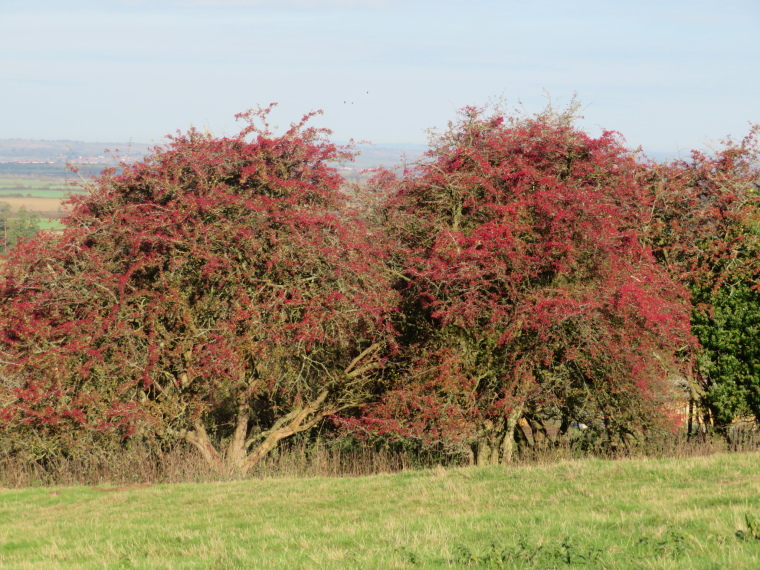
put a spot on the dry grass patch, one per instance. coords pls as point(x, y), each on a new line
point(31, 204)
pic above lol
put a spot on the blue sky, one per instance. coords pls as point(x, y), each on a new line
point(670, 75)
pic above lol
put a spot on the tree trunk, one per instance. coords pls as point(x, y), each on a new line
point(508, 441)
point(199, 438)
point(237, 457)
point(486, 445)
point(520, 436)
point(486, 453)
point(298, 420)
point(236, 450)
point(539, 433)
point(496, 443)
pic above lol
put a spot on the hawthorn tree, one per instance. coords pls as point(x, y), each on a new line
point(211, 292)
point(527, 291)
point(706, 231)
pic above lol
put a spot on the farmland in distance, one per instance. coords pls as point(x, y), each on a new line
point(34, 174)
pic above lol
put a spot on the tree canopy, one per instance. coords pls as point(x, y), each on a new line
point(226, 293)
point(706, 231)
point(527, 287)
point(211, 292)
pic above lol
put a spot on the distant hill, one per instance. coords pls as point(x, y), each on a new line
point(63, 151)
point(48, 159)
point(386, 155)
point(45, 170)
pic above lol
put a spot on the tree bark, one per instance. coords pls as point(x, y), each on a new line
point(508, 443)
point(199, 438)
point(236, 450)
point(483, 451)
point(520, 437)
point(300, 419)
point(485, 445)
point(539, 433)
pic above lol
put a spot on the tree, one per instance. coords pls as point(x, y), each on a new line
point(5, 209)
point(527, 291)
point(706, 231)
point(210, 292)
point(24, 225)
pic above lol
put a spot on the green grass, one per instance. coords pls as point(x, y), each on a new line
point(687, 513)
point(50, 224)
point(32, 184)
point(36, 193)
point(36, 188)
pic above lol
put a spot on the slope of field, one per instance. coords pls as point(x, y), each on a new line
point(689, 513)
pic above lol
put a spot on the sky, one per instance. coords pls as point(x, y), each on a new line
point(669, 75)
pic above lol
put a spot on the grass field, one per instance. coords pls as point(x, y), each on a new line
point(32, 184)
point(40, 205)
point(37, 195)
point(687, 513)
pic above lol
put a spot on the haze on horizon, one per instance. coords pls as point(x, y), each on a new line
point(670, 76)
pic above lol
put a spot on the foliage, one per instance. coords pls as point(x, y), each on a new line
point(526, 288)
point(22, 225)
point(706, 232)
point(210, 292)
point(753, 528)
point(525, 554)
point(224, 292)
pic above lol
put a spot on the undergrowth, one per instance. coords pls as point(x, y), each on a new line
point(303, 457)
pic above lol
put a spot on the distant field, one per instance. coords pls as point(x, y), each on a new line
point(26, 185)
point(41, 205)
point(38, 188)
point(37, 193)
point(688, 513)
point(43, 195)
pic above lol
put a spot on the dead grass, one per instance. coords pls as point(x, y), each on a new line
point(139, 464)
